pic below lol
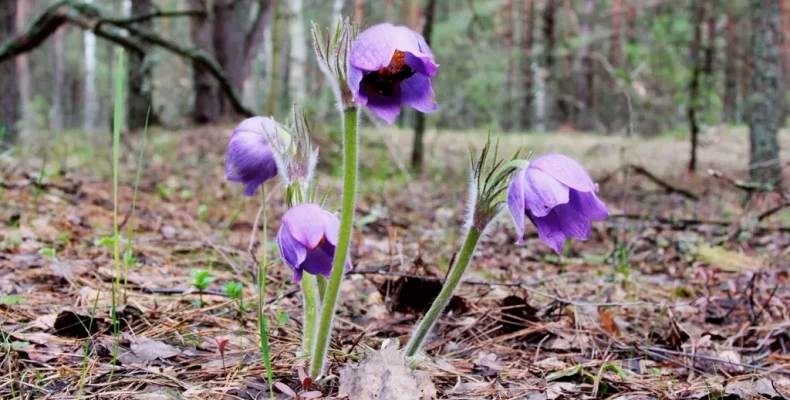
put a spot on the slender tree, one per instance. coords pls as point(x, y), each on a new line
point(617, 32)
point(90, 110)
point(584, 71)
point(9, 100)
point(508, 36)
point(694, 82)
point(206, 103)
point(140, 74)
point(359, 11)
point(730, 101)
point(766, 91)
point(58, 81)
point(298, 53)
point(23, 73)
point(418, 147)
point(527, 44)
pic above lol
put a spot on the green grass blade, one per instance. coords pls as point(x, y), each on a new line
point(87, 347)
point(116, 150)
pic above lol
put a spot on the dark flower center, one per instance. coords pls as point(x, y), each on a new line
point(386, 81)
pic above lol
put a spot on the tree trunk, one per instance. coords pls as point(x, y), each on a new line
point(9, 100)
point(359, 11)
point(730, 102)
point(418, 147)
point(140, 75)
point(584, 70)
point(298, 53)
point(414, 18)
point(389, 10)
point(23, 73)
point(206, 108)
point(527, 42)
point(230, 19)
point(58, 82)
point(696, 72)
point(785, 12)
point(766, 92)
point(405, 15)
point(617, 31)
point(508, 36)
point(274, 40)
point(545, 92)
point(91, 107)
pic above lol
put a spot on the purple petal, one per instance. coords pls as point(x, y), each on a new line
point(306, 223)
point(565, 170)
point(516, 204)
point(249, 160)
point(319, 260)
point(549, 231)
point(354, 80)
point(256, 125)
point(291, 251)
point(385, 108)
point(331, 227)
point(589, 205)
point(572, 222)
point(421, 65)
point(417, 93)
point(542, 192)
point(374, 47)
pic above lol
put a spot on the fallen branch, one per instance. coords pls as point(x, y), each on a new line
point(669, 188)
point(683, 223)
point(90, 17)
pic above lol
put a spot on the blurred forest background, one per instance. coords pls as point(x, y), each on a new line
point(615, 67)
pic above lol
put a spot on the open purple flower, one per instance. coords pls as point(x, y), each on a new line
point(558, 196)
point(389, 66)
point(249, 159)
point(307, 239)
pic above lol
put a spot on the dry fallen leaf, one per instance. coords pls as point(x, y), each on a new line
point(149, 349)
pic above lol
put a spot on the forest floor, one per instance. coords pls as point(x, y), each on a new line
point(682, 293)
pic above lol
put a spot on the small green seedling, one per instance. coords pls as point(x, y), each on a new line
point(202, 211)
point(200, 281)
point(234, 290)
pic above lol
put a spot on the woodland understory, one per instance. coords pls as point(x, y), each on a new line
point(682, 293)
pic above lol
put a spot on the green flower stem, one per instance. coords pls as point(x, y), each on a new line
point(311, 306)
point(350, 165)
point(322, 282)
point(267, 362)
point(457, 272)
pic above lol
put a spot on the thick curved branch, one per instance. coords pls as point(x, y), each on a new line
point(153, 15)
point(89, 17)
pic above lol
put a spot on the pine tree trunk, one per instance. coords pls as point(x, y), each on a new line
point(230, 20)
point(584, 70)
point(617, 32)
point(359, 11)
point(527, 42)
point(58, 81)
point(23, 73)
point(206, 108)
point(298, 53)
point(91, 98)
point(414, 18)
point(730, 102)
point(548, 81)
point(694, 83)
point(508, 36)
point(389, 10)
point(766, 92)
point(140, 75)
point(9, 100)
point(418, 147)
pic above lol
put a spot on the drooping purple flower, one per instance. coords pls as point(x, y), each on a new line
point(558, 196)
point(307, 239)
point(249, 159)
point(389, 66)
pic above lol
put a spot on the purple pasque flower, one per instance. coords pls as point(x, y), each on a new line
point(307, 239)
point(558, 196)
point(389, 66)
point(250, 160)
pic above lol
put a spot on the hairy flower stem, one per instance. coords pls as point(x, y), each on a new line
point(350, 165)
point(311, 307)
point(456, 273)
point(262, 296)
